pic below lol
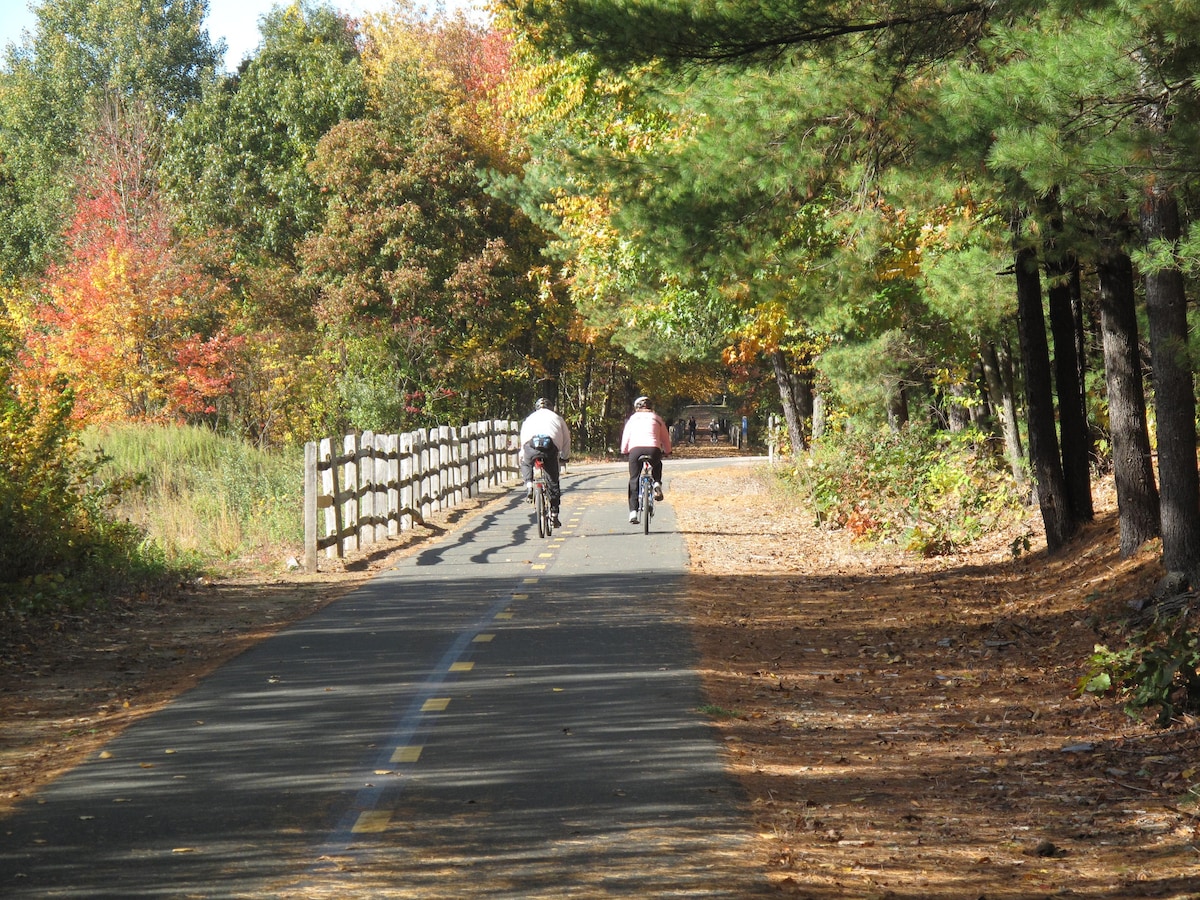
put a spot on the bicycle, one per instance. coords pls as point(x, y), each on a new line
point(541, 498)
point(646, 495)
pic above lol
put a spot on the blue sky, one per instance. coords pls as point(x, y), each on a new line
point(234, 20)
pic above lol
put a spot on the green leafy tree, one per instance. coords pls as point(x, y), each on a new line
point(82, 54)
point(239, 157)
point(415, 260)
point(237, 169)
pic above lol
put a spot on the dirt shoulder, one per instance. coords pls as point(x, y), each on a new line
point(910, 728)
point(903, 728)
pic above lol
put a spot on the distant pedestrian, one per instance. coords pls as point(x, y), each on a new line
point(692, 430)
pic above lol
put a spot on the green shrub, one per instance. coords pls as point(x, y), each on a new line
point(59, 541)
point(931, 491)
point(1157, 669)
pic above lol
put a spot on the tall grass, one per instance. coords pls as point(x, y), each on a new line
point(205, 499)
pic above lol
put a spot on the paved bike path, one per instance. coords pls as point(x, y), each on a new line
point(497, 716)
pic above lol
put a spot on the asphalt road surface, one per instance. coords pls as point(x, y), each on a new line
point(499, 716)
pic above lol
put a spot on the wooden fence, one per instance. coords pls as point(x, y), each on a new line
point(381, 484)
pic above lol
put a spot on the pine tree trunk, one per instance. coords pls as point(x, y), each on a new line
point(958, 413)
point(792, 412)
point(1043, 440)
point(1066, 327)
point(1174, 397)
point(1004, 404)
point(1133, 470)
point(897, 406)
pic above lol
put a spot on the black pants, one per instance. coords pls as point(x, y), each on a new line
point(549, 463)
point(635, 470)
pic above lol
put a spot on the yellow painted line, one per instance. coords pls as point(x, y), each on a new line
point(435, 704)
point(372, 822)
point(462, 666)
point(409, 754)
point(545, 556)
point(531, 580)
point(538, 567)
point(520, 596)
point(482, 639)
point(504, 615)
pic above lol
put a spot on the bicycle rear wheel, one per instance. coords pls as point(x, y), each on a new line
point(647, 505)
point(539, 500)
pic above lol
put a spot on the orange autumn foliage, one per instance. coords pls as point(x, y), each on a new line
point(128, 317)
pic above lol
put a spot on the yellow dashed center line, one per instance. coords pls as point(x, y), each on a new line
point(435, 704)
point(482, 639)
point(407, 754)
point(462, 666)
point(372, 822)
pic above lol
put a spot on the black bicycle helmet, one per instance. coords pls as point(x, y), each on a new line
point(642, 403)
point(544, 403)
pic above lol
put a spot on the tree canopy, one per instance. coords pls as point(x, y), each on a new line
point(855, 215)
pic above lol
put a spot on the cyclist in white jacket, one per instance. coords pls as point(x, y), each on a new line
point(645, 434)
point(545, 433)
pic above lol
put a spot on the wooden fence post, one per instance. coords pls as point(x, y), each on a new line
point(391, 483)
point(445, 468)
point(310, 507)
point(348, 535)
point(499, 451)
point(421, 445)
point(512, 460)
point(435, 469)
point(489, 454)
point(330, 484)
point(460, 481)
point(406, 481)
point(365, 466)
point(473, 459)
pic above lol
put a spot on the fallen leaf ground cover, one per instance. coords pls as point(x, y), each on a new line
point(911, 728)
point(902, 728)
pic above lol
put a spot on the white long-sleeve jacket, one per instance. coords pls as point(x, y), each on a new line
point(549, 423)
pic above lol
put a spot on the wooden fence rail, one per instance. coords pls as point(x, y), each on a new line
point(378, 485)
